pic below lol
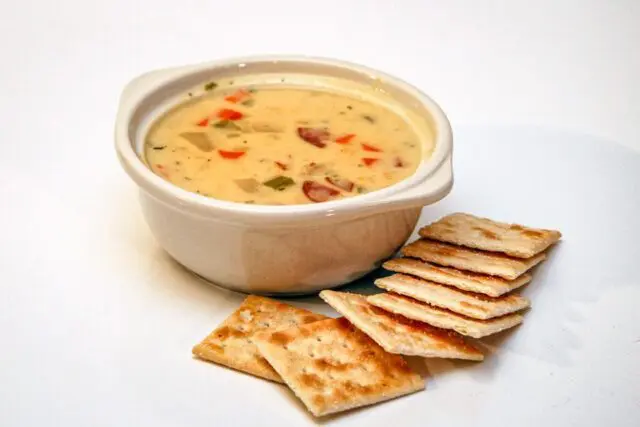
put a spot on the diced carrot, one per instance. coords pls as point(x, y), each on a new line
point(229, 114)
point(231, 154)
point(238, 96)
point(367, 147)
point(204, 122)
point(369, 161)
point(345, 139)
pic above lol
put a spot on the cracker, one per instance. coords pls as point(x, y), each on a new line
point(491, 263)
point(332, 366)
point(441, 318)
point(488, 235)
point(465, 280)
point(397, 334)
point(231, 343)
point(477, 306)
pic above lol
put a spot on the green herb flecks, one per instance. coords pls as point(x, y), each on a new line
point(210, 86)
point(248, 102)
point(279, 183)
point(368, 118)
point(161, 147)
point(349, 107)
point(233, 135)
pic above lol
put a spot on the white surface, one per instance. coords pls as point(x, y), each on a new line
point(97, 324)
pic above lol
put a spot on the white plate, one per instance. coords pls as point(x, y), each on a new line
point(99, 323)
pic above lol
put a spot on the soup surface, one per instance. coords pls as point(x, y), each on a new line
point(281, 145)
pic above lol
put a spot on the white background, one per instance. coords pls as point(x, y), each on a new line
point(96, 323)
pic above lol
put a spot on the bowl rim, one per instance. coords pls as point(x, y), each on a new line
point(143, 86)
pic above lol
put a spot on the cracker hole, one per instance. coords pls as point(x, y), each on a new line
point(319, 339)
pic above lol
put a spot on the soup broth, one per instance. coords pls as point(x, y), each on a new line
point(281, 145)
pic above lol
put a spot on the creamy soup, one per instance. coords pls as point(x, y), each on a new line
point(281, 145)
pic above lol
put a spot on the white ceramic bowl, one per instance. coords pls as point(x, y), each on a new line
point(279, 249)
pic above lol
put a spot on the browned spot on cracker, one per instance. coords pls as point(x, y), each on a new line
point(444, 250)
point(535, 234)
point(487, 233)
point(325, 364)
point(353, 387)
point(216, 348)
point(319, 400)
point(226, 332)
point(312, 380)
point(338, 394)
point(280, 338)
point(311, 318)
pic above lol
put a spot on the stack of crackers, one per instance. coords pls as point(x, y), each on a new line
point(461, 274)
point(333, 365)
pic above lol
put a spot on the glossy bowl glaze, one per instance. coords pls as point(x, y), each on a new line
point(294, 249)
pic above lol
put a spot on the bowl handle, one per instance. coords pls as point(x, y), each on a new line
point(431, 190)
point(140, 84)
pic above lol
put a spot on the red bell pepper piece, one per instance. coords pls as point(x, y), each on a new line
point(229, 114)
point(345, 139)
point(231, 154)
point(367, 147)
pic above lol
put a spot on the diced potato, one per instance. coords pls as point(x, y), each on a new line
point(249, 185)
point(261, 126)
point(199, 139)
